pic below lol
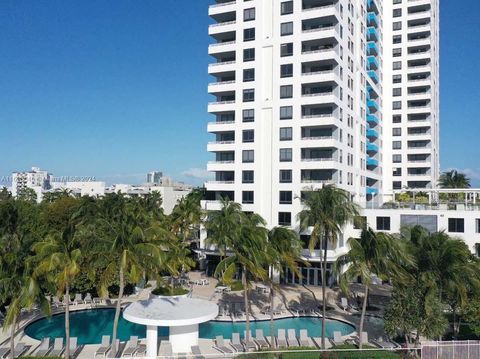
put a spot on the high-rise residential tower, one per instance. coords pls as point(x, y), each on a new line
point(411, 94)
point(297, 102)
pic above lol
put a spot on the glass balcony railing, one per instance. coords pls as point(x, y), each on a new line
point(372, 148)
point(372, 162)
point(372, 190)
point(373, 75)
point(372, 34)
point(372, 63)
point(372, 48)
point(372, 105)
point(372, 19)
point(372, 119)
point(371, 133)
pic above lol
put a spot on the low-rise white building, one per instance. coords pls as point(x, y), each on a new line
point(35, 179)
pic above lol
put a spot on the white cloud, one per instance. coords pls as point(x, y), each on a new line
point(198, 173)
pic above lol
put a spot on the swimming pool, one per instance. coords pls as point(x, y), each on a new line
point(90, 325)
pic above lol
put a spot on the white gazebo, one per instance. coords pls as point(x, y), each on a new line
point(182, 315)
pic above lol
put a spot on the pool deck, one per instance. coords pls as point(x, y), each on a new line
point(306, 296)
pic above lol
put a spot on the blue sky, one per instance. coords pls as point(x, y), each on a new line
point(116, 88)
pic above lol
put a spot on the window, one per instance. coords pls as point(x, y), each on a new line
point(397, 105)
point(397, 145)
point(286, 7)
point(286, 70)
point(248, 55)
point(397, 12)
point(247, 156)
point(285, 176)
point(397, 25)
point(397, 158)
point(397, 79)
point(284, 219)
point(285, 197)
point(247, 196)
point(397, 119)
point(360, 222)
point(248, 75)
point(397, 52)
point(286, 28)
point(247, 176)
point(383, 223)
point(397, 39)
point(397, 92)
point(286, 49)
point(397, 65)
point(248, 135)
point(248, 115)
point(397, 131)
point(286, 91)
point(249, 14)
point(477, 225)
point(285, 154)
point(248, 95)
point(397, 172)
point(456, 225)
point(285, 134)
point(286, 112)
point(397, 2)
point(397, 184)
point(249, 34)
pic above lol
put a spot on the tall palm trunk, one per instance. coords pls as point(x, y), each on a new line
point(12, 336)
point(362, 317)
point(67, 321)
point(324, 290)
point(117, 311)
point(245, 299)
point(272, 324)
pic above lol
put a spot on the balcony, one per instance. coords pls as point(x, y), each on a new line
point(372, 63)
point(372, 120)
point(373, 75)
point(372, 34)
point(372, 162)
point(372, 19)
point(371, 133)
point(372, 148)
point(372, 105)
point(372, 5)
point(372, 48)
point(221, 7)
point(372, 191)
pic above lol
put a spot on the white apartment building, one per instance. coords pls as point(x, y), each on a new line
point(35, 179)
point(411, 94)
point(291, 93)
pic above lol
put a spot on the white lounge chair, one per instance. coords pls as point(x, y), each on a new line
point(141, 350)
point(110, 353)
point(260, 339)
point(281, 339)
point(57, 303)
point(130, 347)
point(43, 348)
point(78, 299)
point(165, 350)
point(58, 348)
point(197, 353)
point(337, 338)
point(19, 350)
point(292, 340)
point(344, 303)
point(250, 344)
point(220, 345)
point(88, 299)
point(304, 339)
point(236, 344)
point(73, 347)
point(104, 347)
point(4, 352)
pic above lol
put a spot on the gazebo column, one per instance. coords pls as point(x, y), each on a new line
point(182, 338)
point(152, 341)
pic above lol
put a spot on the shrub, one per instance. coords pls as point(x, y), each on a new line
point(169, 291)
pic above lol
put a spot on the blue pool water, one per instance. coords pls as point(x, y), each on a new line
point(90, 325)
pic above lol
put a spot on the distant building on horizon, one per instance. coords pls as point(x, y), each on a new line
point(35, 179)
point(154, 177)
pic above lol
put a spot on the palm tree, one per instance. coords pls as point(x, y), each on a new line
point(222, 226)
point(284, 249)
point(373, 253)
point(248, 245)
point(327, 210)
point(187, 216)
point(454, 179)
point(130, 246)
point(59, 257)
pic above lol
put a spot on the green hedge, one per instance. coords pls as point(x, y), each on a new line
point(169, 291)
